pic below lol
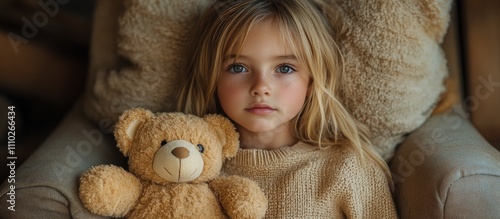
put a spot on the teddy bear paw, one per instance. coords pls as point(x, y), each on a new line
point(109, 190)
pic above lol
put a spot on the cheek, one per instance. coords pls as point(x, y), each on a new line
point(228, 92)
point(297, 99)
point(295, 96)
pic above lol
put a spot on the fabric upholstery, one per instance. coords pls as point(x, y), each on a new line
point(47, 182)
point(445, 169)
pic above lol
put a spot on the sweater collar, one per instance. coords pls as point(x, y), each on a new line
point(269, 157)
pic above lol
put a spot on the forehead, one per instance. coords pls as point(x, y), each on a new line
point(263, 38)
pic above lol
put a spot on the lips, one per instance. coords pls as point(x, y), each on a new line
point(260, 109)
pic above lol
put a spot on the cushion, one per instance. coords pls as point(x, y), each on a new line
point(394, 66)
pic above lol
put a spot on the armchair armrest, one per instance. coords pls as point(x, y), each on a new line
point(46, 184)
point(445, 169)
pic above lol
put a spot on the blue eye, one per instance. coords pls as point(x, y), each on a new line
point(237, 68)
point(201, 149)
point(285, 69)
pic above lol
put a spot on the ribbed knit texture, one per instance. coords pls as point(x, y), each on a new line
point(304, 181)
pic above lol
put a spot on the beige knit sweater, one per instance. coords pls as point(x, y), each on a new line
point(304, 181)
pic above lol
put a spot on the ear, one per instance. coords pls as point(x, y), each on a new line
point(126, 127)
point(226, 133)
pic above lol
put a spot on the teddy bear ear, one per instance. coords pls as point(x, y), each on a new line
point(126, 127)
point(226, 132)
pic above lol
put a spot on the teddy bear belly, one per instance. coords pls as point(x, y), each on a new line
point(177, 201)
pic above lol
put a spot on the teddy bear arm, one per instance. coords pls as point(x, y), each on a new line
point(109, 190)
point(240, 197)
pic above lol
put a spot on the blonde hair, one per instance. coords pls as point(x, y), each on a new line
point(308, 25)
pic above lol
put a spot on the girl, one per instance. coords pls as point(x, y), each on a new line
point(273, 68)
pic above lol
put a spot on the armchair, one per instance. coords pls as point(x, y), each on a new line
point(443, 169)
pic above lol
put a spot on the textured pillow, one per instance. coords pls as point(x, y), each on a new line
point(394, 66)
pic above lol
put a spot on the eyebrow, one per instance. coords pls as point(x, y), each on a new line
point(282, 57)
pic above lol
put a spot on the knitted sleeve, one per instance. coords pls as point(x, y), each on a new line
point(366, 192)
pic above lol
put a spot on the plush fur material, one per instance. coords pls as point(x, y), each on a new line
point(155, 188)
point(394, 66)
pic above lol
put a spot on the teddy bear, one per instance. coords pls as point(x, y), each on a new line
point(174, 163)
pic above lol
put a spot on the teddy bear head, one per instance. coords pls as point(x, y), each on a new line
point(175, 147)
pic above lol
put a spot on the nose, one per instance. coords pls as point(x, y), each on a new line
point(180, 152)
point(261, 85)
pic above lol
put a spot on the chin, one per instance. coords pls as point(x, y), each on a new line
point(256, 128)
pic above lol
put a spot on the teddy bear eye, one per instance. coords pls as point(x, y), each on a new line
point(164, 142)
point(200, 148)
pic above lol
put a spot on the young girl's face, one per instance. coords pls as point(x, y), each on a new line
point(263, 86)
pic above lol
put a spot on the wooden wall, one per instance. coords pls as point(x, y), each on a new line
point(481, 26)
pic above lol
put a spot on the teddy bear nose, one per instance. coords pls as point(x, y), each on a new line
point(180, 152)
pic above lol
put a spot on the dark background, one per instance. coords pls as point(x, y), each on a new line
point(46, 75)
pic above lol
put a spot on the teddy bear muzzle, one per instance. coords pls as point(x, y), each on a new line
point(178, 161)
